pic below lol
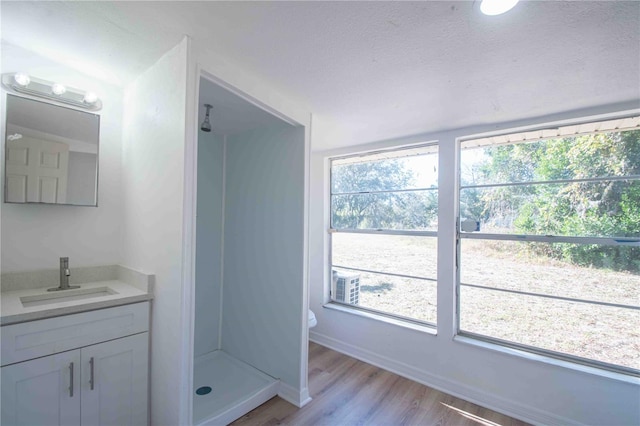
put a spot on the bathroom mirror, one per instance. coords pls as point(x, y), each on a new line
point(51, 154)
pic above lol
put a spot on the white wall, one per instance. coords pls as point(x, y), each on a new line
point(153, 188)
point(35, 236)
point(529, 387)
point(263, 250)
point(208, 243)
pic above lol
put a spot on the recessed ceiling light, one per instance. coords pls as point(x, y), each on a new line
point(496, 7)
point(58, 89)
point(22, 79)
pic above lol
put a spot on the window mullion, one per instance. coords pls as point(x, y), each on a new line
point(384, 232)
point(552, 182)
point(384, 191)
point(612, 241)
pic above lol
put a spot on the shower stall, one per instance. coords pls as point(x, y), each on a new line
point(250, 330)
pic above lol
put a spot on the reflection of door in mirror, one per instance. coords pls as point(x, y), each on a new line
point(36, 171)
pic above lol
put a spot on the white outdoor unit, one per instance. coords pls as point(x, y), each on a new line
point(345, 288)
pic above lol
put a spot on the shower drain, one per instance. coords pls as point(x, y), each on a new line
point(203, 390)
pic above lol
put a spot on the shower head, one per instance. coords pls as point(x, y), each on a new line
point(206, 126)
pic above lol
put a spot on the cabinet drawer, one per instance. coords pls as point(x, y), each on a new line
point(34, 339)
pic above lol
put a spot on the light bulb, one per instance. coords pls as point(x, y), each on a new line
point(22, 79)
point(58, 89)
point(90, 98)
point(496, 7)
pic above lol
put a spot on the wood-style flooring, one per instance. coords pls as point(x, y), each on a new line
point(346, 391)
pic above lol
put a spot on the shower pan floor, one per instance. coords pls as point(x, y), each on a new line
point(236, 388)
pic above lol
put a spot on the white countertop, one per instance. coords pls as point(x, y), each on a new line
point(13, 310)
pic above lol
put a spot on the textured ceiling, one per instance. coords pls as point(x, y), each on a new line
point(376, 70)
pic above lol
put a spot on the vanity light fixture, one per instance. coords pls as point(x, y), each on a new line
point(23, 83)
point(496, 7)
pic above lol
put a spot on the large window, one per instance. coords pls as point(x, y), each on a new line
point(549, 252)
point(384, 210)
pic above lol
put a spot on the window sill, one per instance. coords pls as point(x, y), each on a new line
point(428, 329)
point(611, 375)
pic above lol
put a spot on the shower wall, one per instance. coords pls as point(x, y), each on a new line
point(208, 242)
point(263, 250)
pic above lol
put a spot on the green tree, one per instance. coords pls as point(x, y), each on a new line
point(608, 208)
point(358, 202)
point(472, 205)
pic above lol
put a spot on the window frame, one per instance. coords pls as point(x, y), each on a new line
point(488, 236)
point(371, 312)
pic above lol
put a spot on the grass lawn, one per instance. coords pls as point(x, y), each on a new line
point(604, 333)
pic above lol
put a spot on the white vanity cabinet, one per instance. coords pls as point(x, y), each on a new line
point(39, 392)
point(114, 382)
point(102, 380)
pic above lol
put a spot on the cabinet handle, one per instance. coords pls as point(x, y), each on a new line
point(91, 378)
point(71, 380)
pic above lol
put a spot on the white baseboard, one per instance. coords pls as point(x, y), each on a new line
point(480, 397)
point(292, 395)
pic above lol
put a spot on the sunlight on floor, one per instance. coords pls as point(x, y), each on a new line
point(470, 416)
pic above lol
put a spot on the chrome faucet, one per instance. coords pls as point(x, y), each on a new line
point(64, 276)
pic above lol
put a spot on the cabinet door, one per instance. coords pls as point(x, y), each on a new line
point(114, 382)
point(43, 391)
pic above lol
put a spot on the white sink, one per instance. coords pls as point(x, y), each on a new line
point(66, 296)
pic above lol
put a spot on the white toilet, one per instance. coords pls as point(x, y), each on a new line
point(312, 319)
